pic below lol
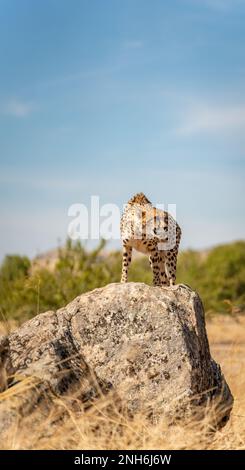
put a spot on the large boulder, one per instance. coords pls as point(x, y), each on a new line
point(146, 344)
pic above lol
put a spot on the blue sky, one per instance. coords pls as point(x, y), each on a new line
point(113, 97)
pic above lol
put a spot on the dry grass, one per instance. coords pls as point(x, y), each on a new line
point(102, 426)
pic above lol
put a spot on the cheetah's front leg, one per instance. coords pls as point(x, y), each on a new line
point(154, 262)
point(163, 275)
point(127, 256)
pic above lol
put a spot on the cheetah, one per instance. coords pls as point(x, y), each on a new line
point(151, 231)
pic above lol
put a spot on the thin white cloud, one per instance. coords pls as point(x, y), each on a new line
point(133, 44)
point(212, 119)
point(80, 75)
point(42, 183)
point(18, 108)
point(222, 5)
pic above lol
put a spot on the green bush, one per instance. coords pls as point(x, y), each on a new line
point(218, 276)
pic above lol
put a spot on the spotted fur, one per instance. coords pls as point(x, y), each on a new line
point(153, 232)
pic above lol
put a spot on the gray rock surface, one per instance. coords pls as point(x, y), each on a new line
point(148, 344)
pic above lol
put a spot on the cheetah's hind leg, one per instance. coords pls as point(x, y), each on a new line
point(163, 277)
point(154, 262)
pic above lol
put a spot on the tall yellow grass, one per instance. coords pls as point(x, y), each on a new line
point(103, 426)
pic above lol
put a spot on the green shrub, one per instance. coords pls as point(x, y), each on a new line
point(218, 276)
